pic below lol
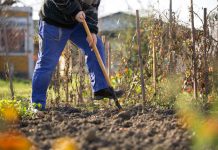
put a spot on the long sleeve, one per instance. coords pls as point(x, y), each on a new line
point(69, 7)
point(92, 17)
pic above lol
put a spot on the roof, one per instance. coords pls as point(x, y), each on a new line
point(16, 11)
point(117, 13)
point(116, 22)
point(20, 9)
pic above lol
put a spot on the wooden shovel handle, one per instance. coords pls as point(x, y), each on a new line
point(98, 56)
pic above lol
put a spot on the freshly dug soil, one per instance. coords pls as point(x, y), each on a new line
point(131, 129)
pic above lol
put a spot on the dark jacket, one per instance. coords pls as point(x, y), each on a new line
point(62, 13)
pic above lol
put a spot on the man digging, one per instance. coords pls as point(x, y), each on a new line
point(60, 21)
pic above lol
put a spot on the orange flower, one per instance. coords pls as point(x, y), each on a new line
point(210, 128)
point(189, 90)
point(126, 70)
point(65, 143)
point(14, 141)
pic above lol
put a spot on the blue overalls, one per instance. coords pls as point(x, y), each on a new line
point(52, 42)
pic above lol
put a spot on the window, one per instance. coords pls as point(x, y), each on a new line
point(16, 37)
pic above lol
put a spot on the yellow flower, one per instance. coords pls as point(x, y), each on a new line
point(65, 143)
point(10, 114)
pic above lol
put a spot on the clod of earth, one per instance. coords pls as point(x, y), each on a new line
point(90, 135)
point(124, 115)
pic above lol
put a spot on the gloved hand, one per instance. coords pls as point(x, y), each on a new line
point(80, 16)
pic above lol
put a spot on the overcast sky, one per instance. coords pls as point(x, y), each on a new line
point(111, 6)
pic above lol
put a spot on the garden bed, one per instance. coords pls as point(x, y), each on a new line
point(108, 129)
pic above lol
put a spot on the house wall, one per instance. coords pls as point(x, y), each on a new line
point(20, 32)
point(19, 64)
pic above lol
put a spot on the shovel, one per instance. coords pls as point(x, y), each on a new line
point(98, 56)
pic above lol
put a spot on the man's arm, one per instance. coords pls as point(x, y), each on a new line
point(69, 7)
point(92, 17)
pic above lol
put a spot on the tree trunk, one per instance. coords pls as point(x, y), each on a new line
point(194, 52)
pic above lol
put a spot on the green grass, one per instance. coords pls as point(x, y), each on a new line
point(22, 89)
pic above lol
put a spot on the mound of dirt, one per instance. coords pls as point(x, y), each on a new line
point(109, 130)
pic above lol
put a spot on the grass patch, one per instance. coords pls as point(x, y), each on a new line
point(22, 89)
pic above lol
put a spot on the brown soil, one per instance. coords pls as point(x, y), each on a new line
point(153, 129)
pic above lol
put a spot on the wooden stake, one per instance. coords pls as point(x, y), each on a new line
point(170, 67)
point(81, 76)
point(103, 38)
point(206, 71)
point(67, 57)
point(109, 58)
point(154, 69)
point(8, 65)
point(170, 20)
point(194, 52)
point(95, 50)
point(101, 64)
point(140, 57)
point(58, 84)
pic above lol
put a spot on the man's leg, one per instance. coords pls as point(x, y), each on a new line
point(52, 43)
point(78, 37)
